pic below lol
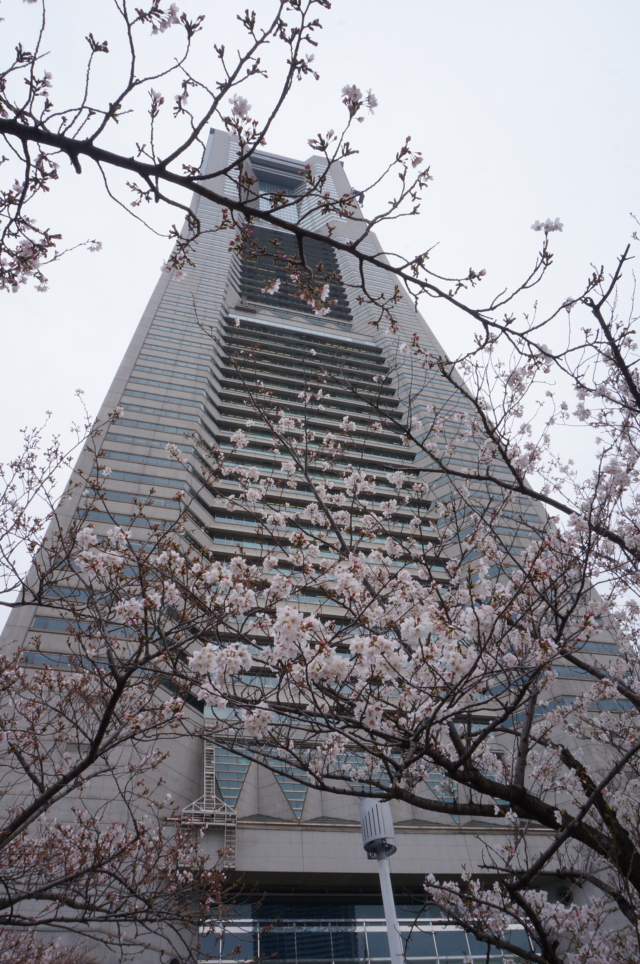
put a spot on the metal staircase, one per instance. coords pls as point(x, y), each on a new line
point(210, 811)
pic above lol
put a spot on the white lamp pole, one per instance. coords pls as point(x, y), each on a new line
point(379, 840)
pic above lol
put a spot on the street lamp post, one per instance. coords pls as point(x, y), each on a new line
point(379, 841)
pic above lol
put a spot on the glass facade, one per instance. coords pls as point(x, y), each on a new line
point(260, 269)
point(345, 934)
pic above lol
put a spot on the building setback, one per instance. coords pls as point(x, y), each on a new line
point(298, 852)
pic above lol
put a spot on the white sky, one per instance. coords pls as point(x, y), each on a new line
point(525, 109)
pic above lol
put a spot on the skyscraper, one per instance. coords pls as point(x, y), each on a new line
point(298, 851)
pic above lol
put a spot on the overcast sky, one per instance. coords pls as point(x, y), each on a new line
point(525, 109)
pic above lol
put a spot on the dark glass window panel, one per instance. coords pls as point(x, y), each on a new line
point(210, 947)
point(358, 944)
point(313, 943)
point(240, 911)
point(348, 945)
point(477, 948)
point(520, 939)
point(378, 943)
point(420, 944)
point(215, 947)
point(369, 911)
point(237, 947)
point(416, 912)
point(278, 946)
point(304, 912)
point(451, 943)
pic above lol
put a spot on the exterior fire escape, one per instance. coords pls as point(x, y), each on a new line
point(210, 810)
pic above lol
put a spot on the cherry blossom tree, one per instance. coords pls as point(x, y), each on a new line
point(417, 647)
point(412, 637)
point(112, 869)
point(433, 666)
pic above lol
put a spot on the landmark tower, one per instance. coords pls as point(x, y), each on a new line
point(298, 851)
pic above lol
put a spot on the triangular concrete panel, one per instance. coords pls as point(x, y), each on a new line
point(231, 771)
point(295, 792)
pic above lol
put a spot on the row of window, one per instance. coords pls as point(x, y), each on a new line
point(381, 397)
point(301, 358)
point(342, 941)
point(164, 412)
point(285, 336)
point(298, 339)
point(150, 344)
point(173, 360)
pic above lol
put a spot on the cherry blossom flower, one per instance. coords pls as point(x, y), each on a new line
point(271, 287)
point(163, 21)
point(129, 610)
point(352, 98)
point(347, 425)
point(240, 106)
point(258, 722)
point(157, 100)
point(547, 226)
point(239, 439)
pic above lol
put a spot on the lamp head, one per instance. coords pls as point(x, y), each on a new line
point(378, 834)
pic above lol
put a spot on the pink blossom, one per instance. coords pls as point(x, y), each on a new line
point(271, 287)
point(130, 610)
point(239, 439)
point(548, 225)
point(240, 106)
point(86, 537)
